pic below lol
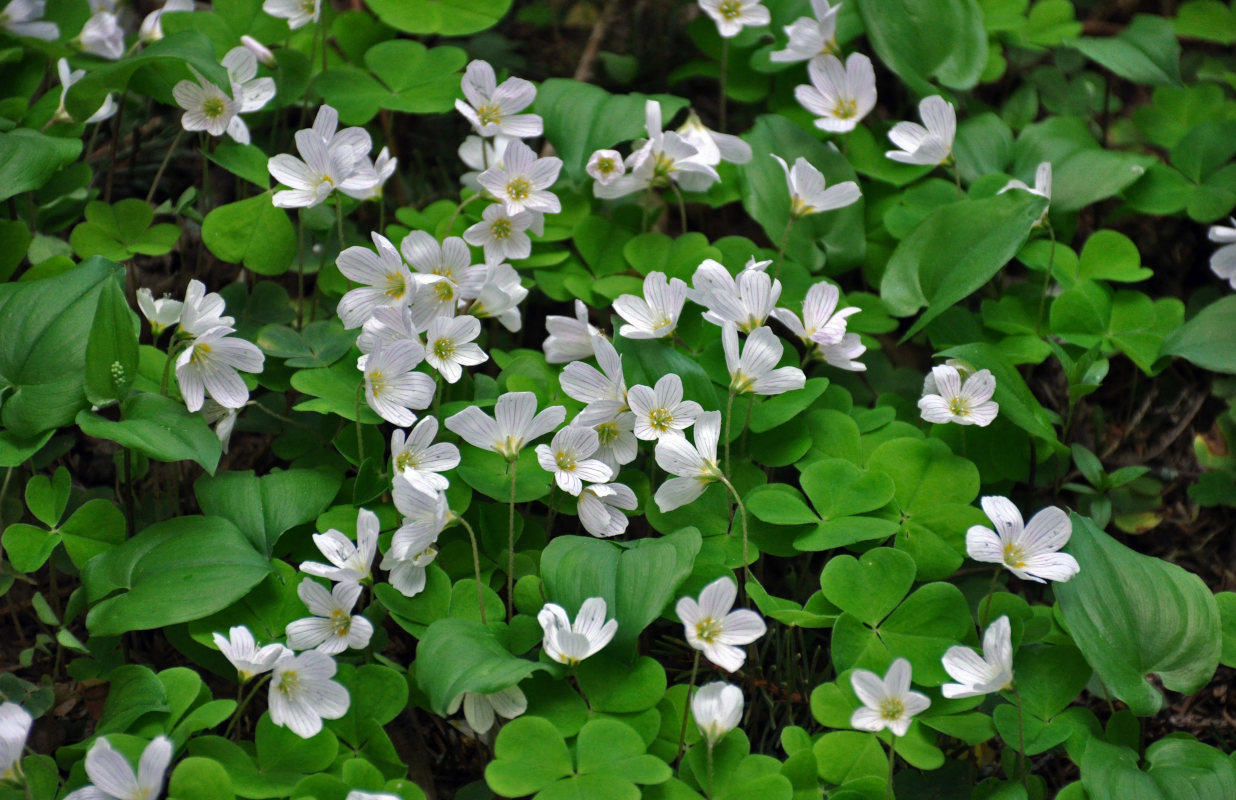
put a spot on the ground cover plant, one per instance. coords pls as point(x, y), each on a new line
point(724, 399)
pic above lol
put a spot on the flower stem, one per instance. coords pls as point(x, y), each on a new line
point(785, 240)
point(1051, 259)
point(1021, 744)
point(510, 558)
point(682, 206)
point(476, 565)
point(742, 511)
point(459, 208)
point(159, 175)
point(985, 608)
point(172, 351)
point(957, 179)
point(729, 414)
point(892, 759)
point(686, 707)
point(360, 439)
point(242, 702)
point(300, 269)
point(710, 770)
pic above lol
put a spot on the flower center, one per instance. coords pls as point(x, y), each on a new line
point(662, 321)
point(376, 384)
point(799, 207)
point(509, 447)
point(489, 114)
point(340, 622)
point(309, 6)
point(731, 9)
point(444, 291)
point(891, 708)
point(289, 683)
point(740, 382)
point(201, 351)
point(607, 433)
point(518, 188)
point(661, 419)
point(565, 461)
point(396, 286)
point(845, 109)
point(605, 166)
point(214, 107)
point(500, 229)
point(708, 630)
point(406, 460)
point(662, 167)
point(425, 557)
point(444, 348)
point(1014, 556)
point(958, 407)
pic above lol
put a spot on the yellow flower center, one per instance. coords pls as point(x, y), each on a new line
point(376, 384)
point(406, 460)
point(799, 208)
point(340, 622)
point(444, 291)
point(488, 114)
point(214, 107)
point(500, 229)
point(707, 630)
point(958, 407)
point(845, 108)
point(201, 351)
point(607, 433)
point(740, 382)
point(289, 682)
point(444, 348)
point(605, 165)
point(891, 708)
point(731, 9)
point(396, 286)
point(518, 189)
point(309, 6)
point(1014, 556)
point(661, 419)
point(564, 460)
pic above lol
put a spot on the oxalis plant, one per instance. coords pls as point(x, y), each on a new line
point(842, 414)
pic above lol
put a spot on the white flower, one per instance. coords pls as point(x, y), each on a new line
point(202, 310)
point(349, 561)
point(222, 418)
point(419, 460)
point(616, 437)
point(480, 710)
point(930, 145)
point(968, 404)
point(493, 109)
point(1042, 187)
point(839, 95)
point(112, 777)
point(664, 157)
point(694, 467)
point(711, 149)
point(515, 423)
point(67, 79)
point(298, 13)
point(360, 794)
point(888, 702)
point(479, 154)
point(444, 272)
point(391, 387)
point(569, 339)
point(352, 144)
point(449, 346)
point(661, 411)
point(387, 326)
point(842, 354)
point(569, 458)
point(747, 301)
point(570, 644)
point(717, 708)
point(250, 92)
point(756, 371)
point(23, 18)
point(302, 693)
point(1223, 262)
point(809, 37)
point(161, 314)
point(523, 180)
point(102, 36)
point(598, 508)
point(413, 547)
point(822, 323)
point(1029, 551)
point(15, 723)
point(732, 16)
point(388, 281)
point(240, 648)
point(500, 297)
point(978, 675)
point(604, 391)
point(330, 162)
point(332, 628)
point(807, 192)
point(502, 234)
point(383, 167)
point(207, 107)
point(655, 315)
point(606, 166)
point(258, 49)
point(714, 629)
point(209, 365)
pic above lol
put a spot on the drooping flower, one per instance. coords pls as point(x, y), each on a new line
point(493, 109)
point(732, 16)
point(712, 147)
point(414, 545)
point(161, 314)
point(717, 708)
point(966, 404)
point(887, 702)
point(501, 234)
point(930, 145)
point(25, 18)
point(222, 418)
point(1029, 551)
point(842, 354)
point(606, 166)
point(386, 278)
point(333, 627)
point(298, 13)
point(713, 628)
point(807, 193)
point(250, 92)
point(481, 710)
point(240, 648)
point(598, 508)
point(69, 77)
point(756, 370)
point(500, 296)
point(604, 391)
point(655, 315)
point(302, 693)
point(570, 339)
point(1042, 187)
point(822, 323)
point(569, 458)
point(209, 366)
point(839, 95)
point(349, 561)
point(569, 643)
point(258, 49)
point(207, 107)
point(102, 36)
point(523, 180)
point(515, 423)
point(202, 310)
point(1223, 261)
point(383, 167)
point(419, 460)
point(979, 675)
point(694, 467)
point(449, 345)
point(392, 389)
point(660, 411)
point(113, 778)
point(15, 723)
point(810, 38)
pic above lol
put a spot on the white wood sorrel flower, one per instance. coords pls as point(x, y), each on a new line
point(1223, 261)
point(444, 273)
point(598, 508)
point(810, 38)
point(732, 16)
point(807, 193)
point(966, 404)
point(756, 370)
point(514, 424)
point(161, 314)
point(694, 467)
point(1041, 187)
point(569, 643)
point(112, 777)
point(302, 693)
point(240, 648)
point(747, 300)
point(392, 389)
point(661, 412)
point(207, 107)
point(930, 145)
point(501, 234)
point(523, 180)
point(298, 13)
point(481, 710)
point(822, 323)
point(979, 675)
point(1029, 551)
point(570, 339)
point(386, 278)
point(604, 391)
point(839, 95)
point(716, 630)
point(15, 723)
point(568, 457)
point(333, 627)
point(606, 166)
point(492, 109)
point(887, 702)
point(655, 315)
point(349, 561)
point(24, 18)
point(418, 459)
point(717, 708)
point(209, 364)
point(414, 546)
point(330, 161)
point(449, 345)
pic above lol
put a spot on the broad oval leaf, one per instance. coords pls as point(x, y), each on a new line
point(160, 427)
point(1209, 339)
point(458, 655)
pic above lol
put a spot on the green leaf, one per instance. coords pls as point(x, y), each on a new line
point(1206, 19)
point(319, 344)
point(615, 687)
point(782, 408)
point(252, 232)
point(281, 750)
point(1179, 768)
point(44, 330)
point(265, 508)
point(242, 160)
point(1082, 172)
point(409, 78)
point(1111, 256)
point(956, 56)
point(174, 571)
point(1128, 633)
point(14, 242)
point(459, 655)
point(1208, 340)
point(490, 474)
point(871, 586)
point(47, 498)
point(443, 17)
point(1144, 52)
point(28, 159)
point(160, 427)
point(1017, 403)
point(134, 691)
point(111, 353)
point(95, 528)
point(334, 390)
point(840, 491)
point(529, 755)
point(198, 778)
point(28, 547)
point(954, 251)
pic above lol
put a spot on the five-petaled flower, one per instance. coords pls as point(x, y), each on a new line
point(952, 401)
point(888, 702)
point(1028, 550)
point(570, 643)
point(713, 628)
